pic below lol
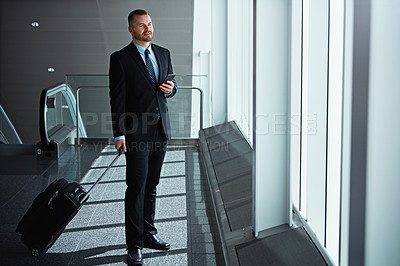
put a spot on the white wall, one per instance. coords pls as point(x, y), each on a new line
point(210, 58)
point(202, 43)
point(222, 49)
point(370, 210)
point(382, 233)
point(219, 61)
point(334, 128)
point(314, 96)
point(240, 64)
point(295, 99)
point(346, 132)
point(317, 88)
point(271, 198)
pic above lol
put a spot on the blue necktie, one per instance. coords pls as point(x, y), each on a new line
point(150, 68)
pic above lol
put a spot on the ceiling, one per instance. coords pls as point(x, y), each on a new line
point(75, 37)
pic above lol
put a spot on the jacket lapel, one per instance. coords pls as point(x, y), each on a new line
point(139, 61)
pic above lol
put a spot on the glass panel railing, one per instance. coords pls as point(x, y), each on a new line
point(8, 134)
point(94, 106)
point(186, 107)
point(93, 103)
point(184, 112)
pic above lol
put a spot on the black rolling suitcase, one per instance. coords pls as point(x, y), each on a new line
point(51, 211)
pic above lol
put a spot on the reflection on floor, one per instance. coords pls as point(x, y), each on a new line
point(184, 216)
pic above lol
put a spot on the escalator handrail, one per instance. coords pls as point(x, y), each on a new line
point(44, 138)
point(66, 90)
point(5, 118)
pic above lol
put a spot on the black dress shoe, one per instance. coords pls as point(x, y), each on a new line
point(134, 257)
point(153, 242)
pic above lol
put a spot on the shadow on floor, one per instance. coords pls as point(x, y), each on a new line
point(92, 256)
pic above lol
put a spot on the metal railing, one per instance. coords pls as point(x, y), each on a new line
point(78, 137)
point(77, 141)
point(201, 102)
point(184, 108)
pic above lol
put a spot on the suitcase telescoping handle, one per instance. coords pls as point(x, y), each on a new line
point(101, 176)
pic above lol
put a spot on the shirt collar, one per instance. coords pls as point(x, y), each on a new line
point(141, 49)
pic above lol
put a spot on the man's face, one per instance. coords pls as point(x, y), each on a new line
point(142, 28)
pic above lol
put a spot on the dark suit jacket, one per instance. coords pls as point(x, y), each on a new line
point(134, 102)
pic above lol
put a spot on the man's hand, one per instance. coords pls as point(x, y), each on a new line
point(120, 144)
point(167, 87)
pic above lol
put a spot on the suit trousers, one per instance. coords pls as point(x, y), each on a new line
point(143, 168)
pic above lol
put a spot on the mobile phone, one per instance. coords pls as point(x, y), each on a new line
point(169, 77)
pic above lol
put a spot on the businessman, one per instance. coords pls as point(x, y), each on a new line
point(138, 98)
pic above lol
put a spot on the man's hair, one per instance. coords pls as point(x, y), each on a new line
point(137, 12)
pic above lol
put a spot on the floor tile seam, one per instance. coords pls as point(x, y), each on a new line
point(176, 173)
point(172, 189)
point(172, 179)
point(172, 162)
point(172, 196)
point(118, 235)
point(162, 186)
point(19, 191)
point(105, 189)
point(107, 185)
point(81, 237)
point(117, 181)
point(170, 165)
point(188, 225)
point(158, 202)
point(95, 168)
point(178, 190)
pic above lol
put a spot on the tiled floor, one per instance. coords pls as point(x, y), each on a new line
point(96, 236)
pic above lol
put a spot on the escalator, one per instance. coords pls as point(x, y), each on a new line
point(57, 125)
point(15, 157)
point(58, 118)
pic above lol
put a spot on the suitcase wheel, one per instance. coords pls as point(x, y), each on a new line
point(35, 252)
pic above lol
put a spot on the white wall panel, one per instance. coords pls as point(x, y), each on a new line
point(382, 233)
point(315, 112)
point(202, 43)
point(295, 97)
point(334, 134)
point(240, 64)
point(271, 202)
point(219, 61)
point(346, 132)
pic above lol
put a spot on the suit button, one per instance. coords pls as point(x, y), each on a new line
point(156, 108)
